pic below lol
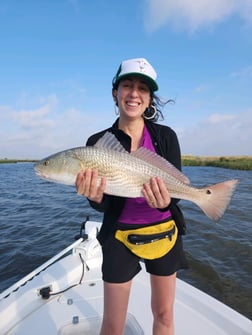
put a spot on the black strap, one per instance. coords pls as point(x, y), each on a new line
point(150, 238)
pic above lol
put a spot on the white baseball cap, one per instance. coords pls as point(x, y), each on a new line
point(139, 67)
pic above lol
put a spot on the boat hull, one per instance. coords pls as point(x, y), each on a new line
point(75, 302)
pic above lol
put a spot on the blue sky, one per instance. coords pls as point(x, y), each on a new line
point(58, 58)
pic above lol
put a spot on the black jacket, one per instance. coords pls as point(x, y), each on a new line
point(166, 145)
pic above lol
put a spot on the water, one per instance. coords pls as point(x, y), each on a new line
point(38, 219)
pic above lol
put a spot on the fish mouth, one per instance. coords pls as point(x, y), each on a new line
point(40, 173)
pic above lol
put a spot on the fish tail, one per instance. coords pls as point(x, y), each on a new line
point(216, 198)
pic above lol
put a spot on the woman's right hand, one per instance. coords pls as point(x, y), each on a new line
point(87, 185)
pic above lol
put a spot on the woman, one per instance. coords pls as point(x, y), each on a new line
point(138, 108)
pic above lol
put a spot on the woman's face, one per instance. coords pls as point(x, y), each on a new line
point(132, 97)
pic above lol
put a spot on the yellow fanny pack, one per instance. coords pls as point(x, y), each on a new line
point(150, 242)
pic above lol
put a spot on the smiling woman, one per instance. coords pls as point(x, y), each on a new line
point(132, 98)
point(138, 107)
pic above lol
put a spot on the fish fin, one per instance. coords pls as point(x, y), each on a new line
point(161, 163)
point(217, 198)
point(109, 141)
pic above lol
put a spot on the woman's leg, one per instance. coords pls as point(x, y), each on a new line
point(116, 298)
point(162, 303)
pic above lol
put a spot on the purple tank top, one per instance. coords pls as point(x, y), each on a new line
point(136, 210)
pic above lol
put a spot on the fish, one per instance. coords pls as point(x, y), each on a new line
point(126, 173)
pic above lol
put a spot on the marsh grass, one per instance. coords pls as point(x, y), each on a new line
point(227, 162)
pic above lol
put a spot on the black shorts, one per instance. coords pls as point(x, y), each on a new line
point(121, 265)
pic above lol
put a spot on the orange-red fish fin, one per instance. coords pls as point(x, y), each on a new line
point(216, 198)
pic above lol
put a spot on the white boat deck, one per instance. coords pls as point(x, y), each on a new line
point(79, 309)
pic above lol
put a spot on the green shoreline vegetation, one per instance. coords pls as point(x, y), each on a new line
point(227, 162)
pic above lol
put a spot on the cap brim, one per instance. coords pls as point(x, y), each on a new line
point(149, 81)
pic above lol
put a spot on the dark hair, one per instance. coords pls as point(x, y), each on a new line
point(158, 104)
point(115, 81)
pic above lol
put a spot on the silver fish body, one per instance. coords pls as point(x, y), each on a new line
point(126, 173)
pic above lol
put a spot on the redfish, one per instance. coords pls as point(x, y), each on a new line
point(126, 173)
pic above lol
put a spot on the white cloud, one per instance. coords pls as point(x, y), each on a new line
point(38, 132)
point(44, 130)
point(36, 118)
point(193, 15)
point(219, 135)
point(219, 118)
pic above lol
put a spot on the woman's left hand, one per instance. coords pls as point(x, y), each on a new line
point(156, 193)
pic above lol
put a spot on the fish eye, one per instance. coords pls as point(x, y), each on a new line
point(207, 191)
point(46, 163)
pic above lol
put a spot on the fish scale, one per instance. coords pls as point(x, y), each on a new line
point(126, 173)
